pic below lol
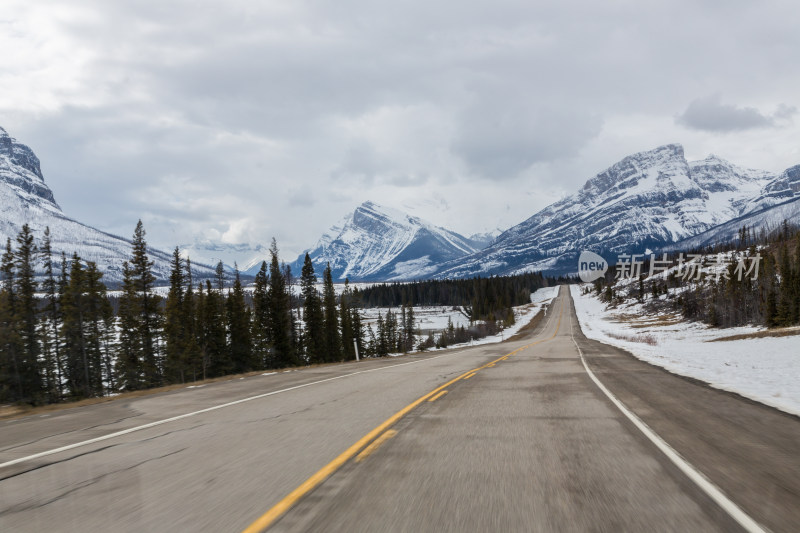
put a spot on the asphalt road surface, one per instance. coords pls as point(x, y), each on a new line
point(506, 437)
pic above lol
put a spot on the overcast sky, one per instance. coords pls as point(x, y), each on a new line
point(238, 121)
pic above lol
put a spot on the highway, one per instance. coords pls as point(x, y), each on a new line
point(516, 436)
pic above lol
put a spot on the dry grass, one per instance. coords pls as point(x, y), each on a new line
point(529, 327)
point(643, 338)
point(639, 321)
point(658, 321)
point(782, 332)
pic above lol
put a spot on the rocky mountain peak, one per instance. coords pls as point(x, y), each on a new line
point(20, 168)
point(661, 164)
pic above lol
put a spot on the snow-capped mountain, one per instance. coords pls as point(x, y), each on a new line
point(379, 243)
point(482, 240)
point(646, 200)
point(766, 211)
point(26, 198)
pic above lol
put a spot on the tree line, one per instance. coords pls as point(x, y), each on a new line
point(62, 339)
point(483, 298)
point(771, 299)
point(64, 336)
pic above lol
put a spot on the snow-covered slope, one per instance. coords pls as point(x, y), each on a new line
point(768, 219)
point(26, 198)
point(379, 243)
point(646, 200)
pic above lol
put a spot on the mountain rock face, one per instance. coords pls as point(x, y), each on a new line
point(375, 243)
point(765, 211)
point(26, 199)
point(646, 201)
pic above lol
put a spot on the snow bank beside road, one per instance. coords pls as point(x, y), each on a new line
point(766, 370)
point(545, 295)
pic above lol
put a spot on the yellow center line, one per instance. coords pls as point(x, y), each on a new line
point(376, 444)
point(268, 518)
point(437, 396)
point(467, 377)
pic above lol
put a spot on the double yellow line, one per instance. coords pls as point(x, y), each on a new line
point(268, 518)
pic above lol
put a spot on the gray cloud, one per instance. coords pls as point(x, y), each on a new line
point(261, 119)
point(502, 137)
point(710, 114)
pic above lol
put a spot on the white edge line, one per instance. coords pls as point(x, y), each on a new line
point(206, 410)
point(706, 485)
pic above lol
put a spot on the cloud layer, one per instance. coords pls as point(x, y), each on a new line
point(710, 114)
point(252, 120)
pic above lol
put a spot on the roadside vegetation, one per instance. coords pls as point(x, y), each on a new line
point(719, 295)
point(65, 338)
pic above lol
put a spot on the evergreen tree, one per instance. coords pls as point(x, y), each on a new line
point(312, 312)
point(261, 313)
point(50, 326)
point(150, 318)
point(279, 317)
point(130, 376)
point(345, 319)
point(239, 329)
point(84, 306)
point(11, 384)
point(176, 323)
point(294, 319)
point(193, 356)
point(216, 328)
point(98, 321)
point(202, 333)
point(219, 275)
point(26, 316)
point(331, 335)
point(409, 329)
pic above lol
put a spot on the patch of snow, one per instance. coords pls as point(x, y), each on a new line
point(763, 369)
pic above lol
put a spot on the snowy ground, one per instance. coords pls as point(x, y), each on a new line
point(434, 318)
point(766, 370)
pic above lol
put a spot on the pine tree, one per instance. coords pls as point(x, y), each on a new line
point(408, 328)
point(294, 319)
point(150, 318)
point(280, 308)
point(98, 312)
point(380, 340)
point(345, 319)
point(193, 356)
point(219, 275)
point(176, 335)
point(50, 325)
point(74, 332)
point(785, 306)
point(239, 329)
point(358, 330)
point(202, 332)
point(87, 329)
point(26, 316)
point(11, 384)
point(261, 313)
point(130, 375)
point(331, 335)
point(312, 312)
point(216, 331)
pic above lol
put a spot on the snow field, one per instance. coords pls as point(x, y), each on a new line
point(763, 369)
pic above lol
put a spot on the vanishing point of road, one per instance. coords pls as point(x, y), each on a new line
point(548, 431)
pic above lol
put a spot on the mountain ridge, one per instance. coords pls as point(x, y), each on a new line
point(380, 243)
point(27, 199)
point(645, 201)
